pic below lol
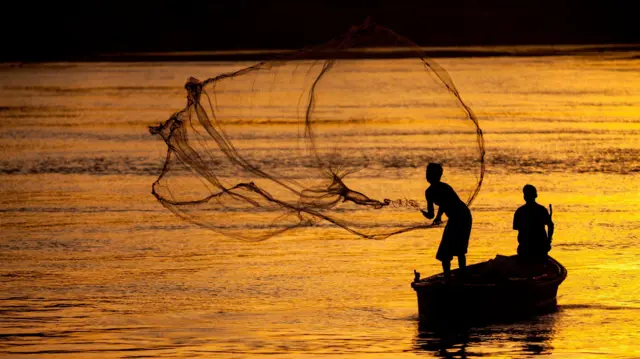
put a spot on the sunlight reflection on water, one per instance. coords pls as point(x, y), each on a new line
point(93, 266)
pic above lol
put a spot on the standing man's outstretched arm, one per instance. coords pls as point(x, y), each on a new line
point(429, 212)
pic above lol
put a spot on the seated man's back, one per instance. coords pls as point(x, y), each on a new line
point(530, 221)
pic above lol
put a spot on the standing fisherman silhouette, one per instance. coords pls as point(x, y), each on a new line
point(529, 220)
point(455, 238)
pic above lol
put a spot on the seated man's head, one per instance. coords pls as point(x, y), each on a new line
point(434, 172)
point(530, 193)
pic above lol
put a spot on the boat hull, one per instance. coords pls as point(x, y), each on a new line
point(474, 301)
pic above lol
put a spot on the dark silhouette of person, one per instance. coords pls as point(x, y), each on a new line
point(530, 221)
point(455, 238)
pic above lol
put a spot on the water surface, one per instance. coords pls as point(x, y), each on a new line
point(93, 266)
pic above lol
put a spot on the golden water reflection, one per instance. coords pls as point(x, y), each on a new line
point(92, 266)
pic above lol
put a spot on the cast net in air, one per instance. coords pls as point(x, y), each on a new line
point(326, 137)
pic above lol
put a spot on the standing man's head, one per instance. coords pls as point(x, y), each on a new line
point(530, 193)
point(434, 172)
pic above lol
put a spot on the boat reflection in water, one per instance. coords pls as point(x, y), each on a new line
point(523, 338)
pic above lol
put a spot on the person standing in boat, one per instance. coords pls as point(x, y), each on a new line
point(455, 238)
point(530, 221)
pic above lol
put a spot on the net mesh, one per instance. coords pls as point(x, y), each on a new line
point(322, 137)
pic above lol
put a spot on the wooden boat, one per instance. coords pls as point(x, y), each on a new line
point(503, 288)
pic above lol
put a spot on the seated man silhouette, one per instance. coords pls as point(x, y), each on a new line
point(530, 221)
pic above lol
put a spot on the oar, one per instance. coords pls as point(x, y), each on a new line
point(550, 219)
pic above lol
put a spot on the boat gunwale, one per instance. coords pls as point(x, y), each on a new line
point(427, 283)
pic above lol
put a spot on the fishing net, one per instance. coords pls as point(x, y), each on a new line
point(324, 137)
